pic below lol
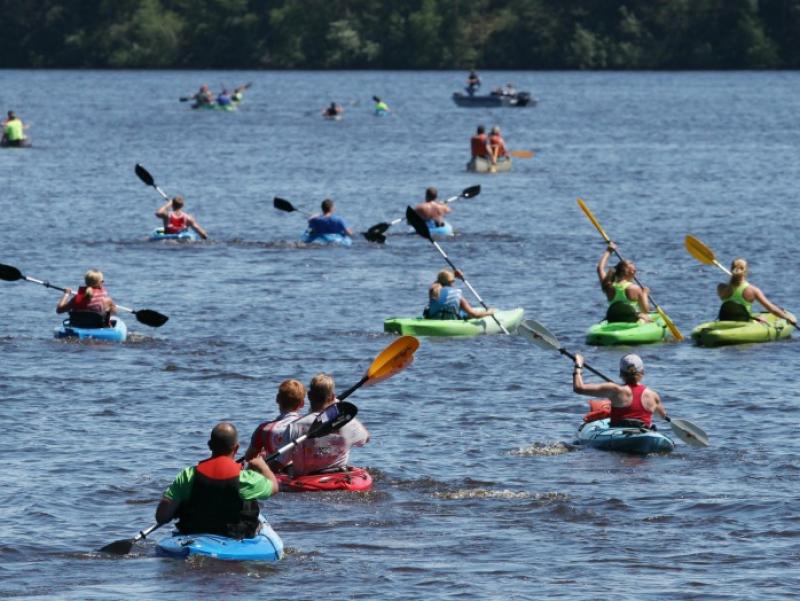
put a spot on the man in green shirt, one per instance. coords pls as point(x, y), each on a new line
point(217, 496)
point(13, 131)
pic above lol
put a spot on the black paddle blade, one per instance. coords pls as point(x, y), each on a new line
point(144, 175)
point(283, 205)
point(373, 237)
point(9, 273)
point(471, 191)
point(375, 233)
point(119, 547)
point(335, 417)
point(418, 223)
point(150, 318)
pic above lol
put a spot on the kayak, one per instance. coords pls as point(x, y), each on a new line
point(24, 143)
point(265, 546)
point(118, 331)
point(381, 113)
point(188, 235)
point(717, 333)
point(640, 332)
point(332, 117)
point(440, 231)
point(419, 326)
point(481, 165)
point(519, 99)
point(337, 239)
point(216, 107)
point(355, 479)
point(600, 435)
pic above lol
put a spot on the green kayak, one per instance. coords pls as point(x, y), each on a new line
point(419, 326)
point(619, 332)
point(766, 328)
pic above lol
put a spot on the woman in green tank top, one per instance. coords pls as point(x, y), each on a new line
point(738, 291)
point(620, 289)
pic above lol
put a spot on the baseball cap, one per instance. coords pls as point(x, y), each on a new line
point(631, 364)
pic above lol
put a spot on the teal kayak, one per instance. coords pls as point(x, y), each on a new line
point(118, 331)
point(419, 326)
point(309, 237)
point(188, 235)
point(766, 328)
point(640, 332)
point(265, 546)
point(600, 435)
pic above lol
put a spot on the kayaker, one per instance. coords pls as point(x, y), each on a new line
point(448, 302)
point(738, 295)
point(238, 93)
point(176, 220)
point(479, 144)
point(627, 302)
point(333, 111)
point(91, 306)
point(432, 209)
point(203, 96)
point(473, 82)
point(380, 105)
point(497, 146)
point(327, 222)
point(13, 131)
point(327, 453)
point(218, 496)
point(269, 436)
point(224, 98)
point(632, 403)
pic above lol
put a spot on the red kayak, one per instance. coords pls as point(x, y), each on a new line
point(355, 479)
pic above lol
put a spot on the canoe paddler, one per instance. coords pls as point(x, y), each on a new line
point(380, 106)
point(497, 146)
point(13, 131)
point(738, 295)
point(328, 223)
point(224, 98)
point(632, 403)
point(203, 97)
point(329, 453)
point(91, 306)
point(447, 302)
point(627, 302)
point(432, 209)
point(271, 435)
point(479, 144)
point(238, 94)
point(332, 111)
point(219, 496)
point(176, 220)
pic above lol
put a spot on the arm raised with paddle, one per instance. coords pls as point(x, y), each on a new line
point(590, 216)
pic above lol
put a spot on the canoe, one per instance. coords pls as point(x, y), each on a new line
point(640, 441)
point(641, 332)
point(216, 107)
point(519, 99)
point(118, 331)
point(481, 165)
point(187, 235)
point(419, 326)
point(718, 333)
point(355, 479)
point(335, 239)
point(265, 546)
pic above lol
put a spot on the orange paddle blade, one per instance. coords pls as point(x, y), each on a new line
point(521, 154)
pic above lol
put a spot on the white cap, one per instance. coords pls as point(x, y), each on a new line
point(631, 364)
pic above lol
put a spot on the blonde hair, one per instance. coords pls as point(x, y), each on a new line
point(445, 277)
point(738, 270)
point(93, 279)
point(320, 389)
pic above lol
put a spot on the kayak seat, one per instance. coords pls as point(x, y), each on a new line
point(733, 311)
point(621, 313)
point(87, 320)
point(445, 316)
point(631, 423)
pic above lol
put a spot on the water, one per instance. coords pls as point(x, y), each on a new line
point(476, 492)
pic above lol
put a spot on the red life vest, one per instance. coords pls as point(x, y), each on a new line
point(270, 436)
point(497, 141)
point(635, 410)
point(175, 223)
point(478, 145)
point(94, 302)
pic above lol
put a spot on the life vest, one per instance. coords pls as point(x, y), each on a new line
point(478, 146)
point(176, 223)
point(496, 141)
point(735, 313)
point(624, 309)
point(270, 436)
point(598, 409)
point(447, 306)
point(94, 303)
point(14, 131)
point(635, 410)
point(214, 506)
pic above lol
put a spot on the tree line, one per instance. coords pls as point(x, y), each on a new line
point(407, 34)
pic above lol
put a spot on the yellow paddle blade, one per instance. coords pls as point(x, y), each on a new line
point(670, 324)
point(394, 358)
point(699, 250)
point(521, 154)
point(590, 216)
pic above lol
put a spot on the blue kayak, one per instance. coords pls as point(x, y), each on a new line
point(338, 239)
point(188, 234)
point(265, 546)
point(440, 231)
point(118, 331)
point(640, 441)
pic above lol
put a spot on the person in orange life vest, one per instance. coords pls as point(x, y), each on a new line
point(497, 146)
point(218, 496)
point(479, 144)
point(90, 299)
point(176, 219)
point(269, 436)
point(627, 302)
point(431, 209)
point(327, 453)
point(631, 402)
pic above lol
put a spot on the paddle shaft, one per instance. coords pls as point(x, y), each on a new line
point(635, 279)
point(49, 285)
point(446, 201)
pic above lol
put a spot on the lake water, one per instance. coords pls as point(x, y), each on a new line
point(475, 493)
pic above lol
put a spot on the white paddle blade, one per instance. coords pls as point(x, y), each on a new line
point(689, 433)
point(538, 334)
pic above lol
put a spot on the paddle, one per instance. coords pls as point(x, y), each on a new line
point(145, 316)
point(394, 358)
point(419, 225)
point(375, 233)
point(145, 176)
point(590, 216)
point(521, 154)
point(284, 205)
point(124, 546)
point(538, 334)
